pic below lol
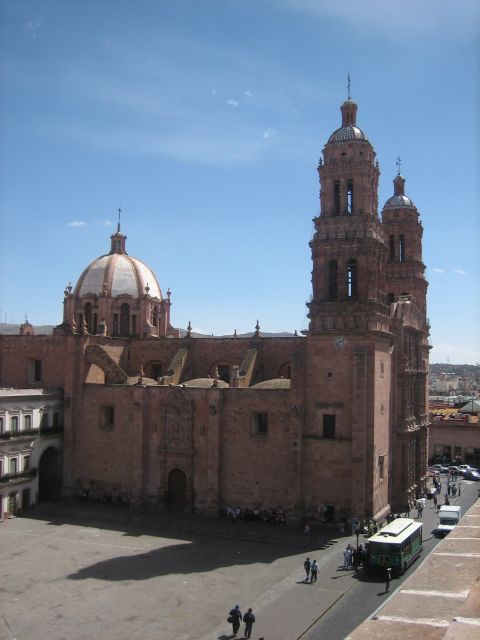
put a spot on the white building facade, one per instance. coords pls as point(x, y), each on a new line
point(31, 427)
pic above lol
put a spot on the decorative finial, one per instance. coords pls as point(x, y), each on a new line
point(257, 329)
point(399, 165)
point(147, 289)
point(118, 225)
point(189, 329)
point(235, 333)
point(26, 319)
point(169, 293)
point(69, 287)
point(348, 84)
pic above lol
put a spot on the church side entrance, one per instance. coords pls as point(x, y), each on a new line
point(177, 490)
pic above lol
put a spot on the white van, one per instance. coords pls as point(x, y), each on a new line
point(448, 517)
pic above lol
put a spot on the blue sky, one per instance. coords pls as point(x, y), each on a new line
point(205, 121)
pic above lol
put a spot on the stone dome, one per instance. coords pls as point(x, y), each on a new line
point(347, 134)
point(399, 200)
point(116, 274)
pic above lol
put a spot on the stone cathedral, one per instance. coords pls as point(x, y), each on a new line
point(334, 420)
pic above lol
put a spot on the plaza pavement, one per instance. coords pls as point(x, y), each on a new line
point(78, 572)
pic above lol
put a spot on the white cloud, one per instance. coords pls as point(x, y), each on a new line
point(248, 93)
point(461, 272)
point(269, 133)
point(232, 103)
point(77, 224)
point(437, 270)
point(33, 28)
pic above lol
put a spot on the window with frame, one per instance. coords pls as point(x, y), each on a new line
point(12, 465)
point(26, 463)
point(27, 422)
point(381, 467)
point(2, 427)
point(107, 417)
point(329, 420)
point(260, 424)
point(34, 371)
point(14, 424)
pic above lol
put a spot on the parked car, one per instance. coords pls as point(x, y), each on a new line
point(466, 467)
point(472, 475)
point(454, 469)
point(438, 468)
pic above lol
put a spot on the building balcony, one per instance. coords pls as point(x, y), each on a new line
point(28, 474)
point(21, 433)
point(29, 433)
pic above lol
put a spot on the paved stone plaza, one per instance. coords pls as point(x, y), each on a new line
point(62, 579)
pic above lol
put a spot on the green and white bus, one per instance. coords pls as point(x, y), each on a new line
point(396, 545)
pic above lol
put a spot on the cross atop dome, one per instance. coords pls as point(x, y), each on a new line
point(118, 239)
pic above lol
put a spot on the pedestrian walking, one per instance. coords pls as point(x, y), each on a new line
point(387, 579)
point(347, 557)
point(449, 489)
point(234, 618)
point(459, 488)
point(419, 509)
point(306, 565)
point(435, 501)
point(249, 620)
point(313, 571)
point(454, 490)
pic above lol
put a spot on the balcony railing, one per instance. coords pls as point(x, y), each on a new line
point(28, 433)
point(19, 475)
point(19, 433)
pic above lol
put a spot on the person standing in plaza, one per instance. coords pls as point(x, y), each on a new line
point(306, 565)
point(314, 571)
point(435, 501)
point(388, 577)
point(249, 619)
point(235, 617)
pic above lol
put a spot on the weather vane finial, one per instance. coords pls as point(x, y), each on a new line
point(399, 165)
point(348, 84)
point(118, 225)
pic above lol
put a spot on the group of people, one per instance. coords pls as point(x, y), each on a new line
point(353, 557)
point(235, 618)
point(311, 570)
point(254, 514)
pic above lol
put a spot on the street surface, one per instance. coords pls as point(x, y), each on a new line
point(73, 580)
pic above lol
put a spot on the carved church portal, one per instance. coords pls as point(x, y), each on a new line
point(49, 476)
point(177, 490)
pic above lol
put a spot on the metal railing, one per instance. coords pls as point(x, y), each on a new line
point(19, 475)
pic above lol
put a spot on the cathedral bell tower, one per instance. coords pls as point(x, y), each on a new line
point(348, 247)
point(403, 234)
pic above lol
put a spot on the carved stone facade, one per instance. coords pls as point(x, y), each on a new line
point(334, 421)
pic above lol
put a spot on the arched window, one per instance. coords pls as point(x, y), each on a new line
point(401, 249)
point(352, 280)
point(336, 197)
point(87, 311)
point(332, 281)
point(392, 248)
point(350, 197)
point(125, 320)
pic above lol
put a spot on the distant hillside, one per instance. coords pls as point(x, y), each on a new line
point(14, 329)
point(46, 330)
